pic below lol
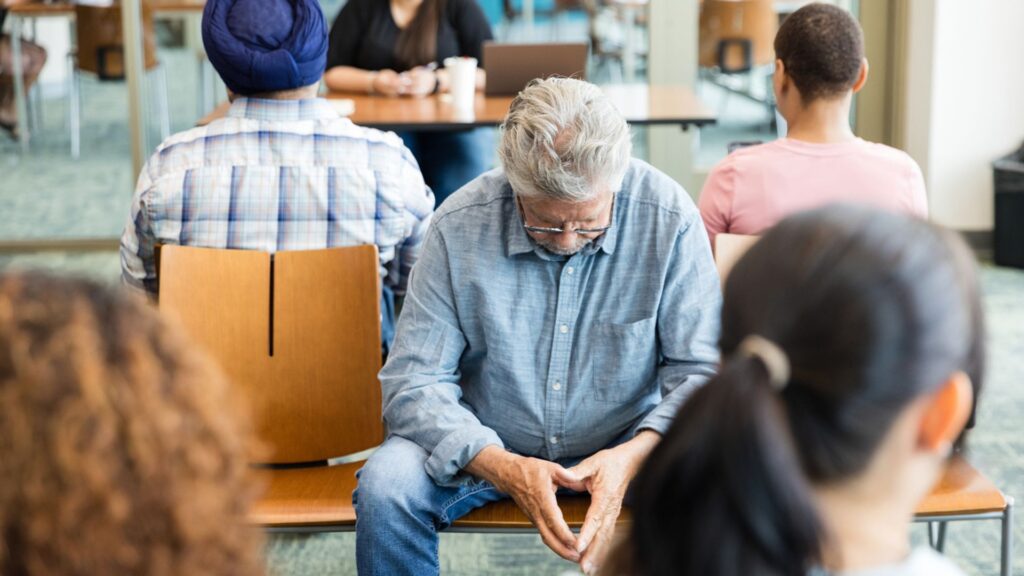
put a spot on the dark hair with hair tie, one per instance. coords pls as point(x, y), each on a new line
point(872, 310)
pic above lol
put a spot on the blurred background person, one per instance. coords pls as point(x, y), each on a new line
point(850, 341)
point(33, 57)
point(397, 48)
point(122, 450)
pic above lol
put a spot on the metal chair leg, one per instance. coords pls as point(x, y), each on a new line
point(1006, 551)
point(35, 97)
point(75, 111)
point(19, 82)
point(940, 540)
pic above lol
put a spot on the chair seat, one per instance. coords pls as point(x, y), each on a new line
point(962, 490)
point(322, 497)
point(506, 515)
point(306, 497)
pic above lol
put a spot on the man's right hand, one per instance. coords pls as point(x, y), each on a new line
point(532, 483)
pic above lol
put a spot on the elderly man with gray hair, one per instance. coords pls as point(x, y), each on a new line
point(563, 308)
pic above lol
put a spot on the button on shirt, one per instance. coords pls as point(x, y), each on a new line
point(279, 175)
point(501, 342)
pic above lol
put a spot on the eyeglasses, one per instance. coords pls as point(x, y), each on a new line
point(579, 231)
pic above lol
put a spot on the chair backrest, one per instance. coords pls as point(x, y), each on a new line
point(297, 332)
point(731, 27)
point(729, 248)
point(101, 40)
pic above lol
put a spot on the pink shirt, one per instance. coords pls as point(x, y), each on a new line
point(753, 188)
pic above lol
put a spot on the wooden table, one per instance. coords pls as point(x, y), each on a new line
point(640, 104)
point(18, 13)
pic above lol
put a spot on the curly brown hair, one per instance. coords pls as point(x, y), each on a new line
point(122, 450)
point(822, 47)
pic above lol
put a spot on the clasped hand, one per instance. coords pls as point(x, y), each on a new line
point(533, 482)
point(419, 81)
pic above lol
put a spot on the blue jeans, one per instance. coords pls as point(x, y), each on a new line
point(387, 320)
point(449, 160)
point(400, 510)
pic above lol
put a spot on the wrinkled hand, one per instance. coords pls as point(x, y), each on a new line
point(419, 81)
point(532, 483)
point(606, 475)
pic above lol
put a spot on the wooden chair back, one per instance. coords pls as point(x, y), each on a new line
point(729, 248)
point(101, 40)
point(737, 34)
point(297, 332)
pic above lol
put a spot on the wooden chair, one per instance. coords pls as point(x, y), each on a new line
point(299, 334)
point(100, 52)
point(962, 494)
point(735, 48)
point(965, 494)
point(729, 248)
point(736, 35)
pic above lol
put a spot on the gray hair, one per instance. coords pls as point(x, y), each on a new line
point(563, 139)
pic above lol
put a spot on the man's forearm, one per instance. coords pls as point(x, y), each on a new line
point(639, 448)
point(487, 464)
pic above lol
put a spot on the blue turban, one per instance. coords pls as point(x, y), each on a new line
point(265, 45)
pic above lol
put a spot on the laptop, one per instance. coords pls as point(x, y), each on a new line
point(510, 67)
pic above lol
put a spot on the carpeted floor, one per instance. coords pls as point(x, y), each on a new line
point(46, 195)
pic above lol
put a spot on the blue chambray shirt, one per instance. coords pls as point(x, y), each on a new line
point(501, 342)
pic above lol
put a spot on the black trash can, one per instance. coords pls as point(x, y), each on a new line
point(1009, 208)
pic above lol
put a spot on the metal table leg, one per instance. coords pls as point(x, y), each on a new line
point(1006, 552)
point(19, 81)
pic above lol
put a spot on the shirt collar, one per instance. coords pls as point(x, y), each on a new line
point(281, 110)
point(517, 241)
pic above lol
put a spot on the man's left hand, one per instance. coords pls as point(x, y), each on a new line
point(606, 475)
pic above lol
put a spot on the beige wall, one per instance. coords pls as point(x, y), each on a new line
point(964, 101)
point(673, 60)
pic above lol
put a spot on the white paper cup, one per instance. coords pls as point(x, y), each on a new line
point(461, 81)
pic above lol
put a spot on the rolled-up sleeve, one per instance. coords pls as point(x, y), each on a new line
point(420, 382)
point(688, 325)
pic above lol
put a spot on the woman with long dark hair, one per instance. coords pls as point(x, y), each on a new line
point(851, 356)
point(397, 48)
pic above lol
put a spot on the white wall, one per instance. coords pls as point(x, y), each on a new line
point(964, 101)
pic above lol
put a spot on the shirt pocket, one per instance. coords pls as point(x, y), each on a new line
point(624, 359)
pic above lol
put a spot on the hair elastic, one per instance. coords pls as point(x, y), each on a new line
point(771, 355)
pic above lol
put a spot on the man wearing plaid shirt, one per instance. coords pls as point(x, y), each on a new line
point(283, 171)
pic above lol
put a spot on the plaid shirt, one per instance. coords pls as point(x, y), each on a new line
point(279, 175)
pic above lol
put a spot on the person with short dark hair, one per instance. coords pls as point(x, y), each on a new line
point(853, 345)
point(123, 450)
point(819, 66)
point(282, 171)
point(398, 48)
